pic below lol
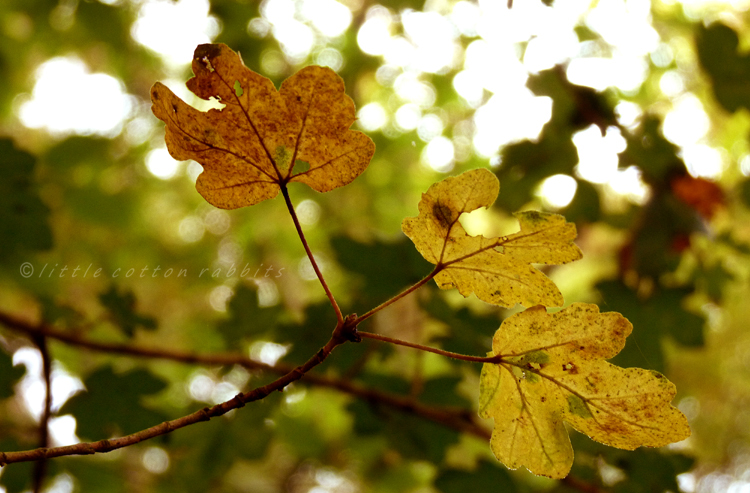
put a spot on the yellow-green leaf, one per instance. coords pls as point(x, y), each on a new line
point(551, 369)
point(250, 147)
point(497, 270)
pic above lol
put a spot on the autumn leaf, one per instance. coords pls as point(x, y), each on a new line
point(262, 138)
point(497, 270)
point(551, 369)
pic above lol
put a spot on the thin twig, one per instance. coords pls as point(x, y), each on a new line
point(342, 333)
point(288, 200)
point(459, 419)
point(403, 293)
point(342, 384)
point(40, 468)
point(449, 354)
point(130, 350)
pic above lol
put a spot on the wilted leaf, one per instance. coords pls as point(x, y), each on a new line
point(552, 370)
point(249, 148)
point(497, 270)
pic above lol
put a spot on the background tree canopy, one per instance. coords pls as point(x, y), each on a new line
point(628, 117)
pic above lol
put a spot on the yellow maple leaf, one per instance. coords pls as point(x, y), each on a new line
point(250, 147)
point(497, 270)
point(551, 369)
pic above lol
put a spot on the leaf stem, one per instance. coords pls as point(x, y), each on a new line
point(285, 192)
point(403, 293)
point(449, 354)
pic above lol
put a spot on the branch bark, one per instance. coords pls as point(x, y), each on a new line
point(343, 332)
point(459, 419)
point(40, 468)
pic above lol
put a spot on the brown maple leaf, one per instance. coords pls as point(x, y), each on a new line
point(263, 138)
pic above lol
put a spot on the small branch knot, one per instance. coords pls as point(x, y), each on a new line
point(348, 330)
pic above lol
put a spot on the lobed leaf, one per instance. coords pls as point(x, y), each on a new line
point(121, 307)
point(112, 403)
point(249, 148)
point(551, 370)
point(9, 374)
point(24, 224)
point(497, 270)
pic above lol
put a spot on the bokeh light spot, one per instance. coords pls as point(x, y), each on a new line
point(175, 40)
point(372, 117)
point(557, 191)
point(160, 164)
point(439, 154)
point(67, 99)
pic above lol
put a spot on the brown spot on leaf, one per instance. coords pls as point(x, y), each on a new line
point(630, 407)
point(207, 52)
point(473, 263)
point(443, 215)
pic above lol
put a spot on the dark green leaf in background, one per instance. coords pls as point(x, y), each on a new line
point(585, 206)
point(16, 477)
point(525, 164)
point(643, 470)
point(469, 333)
point(441, 391)
point(729, 70)
point(112, 403)
point(9, 374)
point(486, 477)
point(411, 436)
point(93, 475)
point(654, 155)
point(24, 226)
point(204, 454)
point(59, 315)
point(121, 308)
point(744, 192)
point(310, 335)
point(383, 269)
point(658, 316)
point(247, 319)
